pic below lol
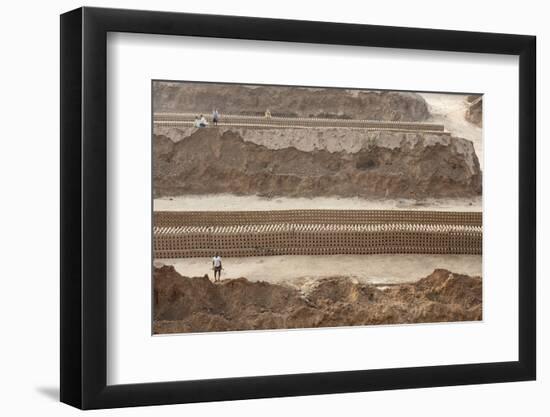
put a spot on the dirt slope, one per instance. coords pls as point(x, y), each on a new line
point(288, 101)
point(449, 110)
point(474, 114)
point(185, 304)
point(395, 165)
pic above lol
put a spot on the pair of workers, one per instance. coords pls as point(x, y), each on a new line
point(200, 121)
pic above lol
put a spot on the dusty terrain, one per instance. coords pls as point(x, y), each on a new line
point(288, 101)
point(239, 168)
point(389, 165)
point(185, 304)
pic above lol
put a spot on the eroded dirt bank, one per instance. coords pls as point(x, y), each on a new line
point(401, 165)
point(185, 304)
point(288, 101)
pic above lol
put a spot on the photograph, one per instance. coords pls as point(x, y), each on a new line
point(285, 207)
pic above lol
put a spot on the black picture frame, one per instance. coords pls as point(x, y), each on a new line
point(84, 207)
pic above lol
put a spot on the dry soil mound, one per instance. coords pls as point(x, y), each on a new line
point(388, 165)
point(185, 304)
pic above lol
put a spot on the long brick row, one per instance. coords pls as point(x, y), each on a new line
point(187, 119)
point(225, 218)
point(329, 238)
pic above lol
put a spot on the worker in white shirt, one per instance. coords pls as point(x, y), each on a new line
point(217, 266)
point(215, 117)
point(203, 121)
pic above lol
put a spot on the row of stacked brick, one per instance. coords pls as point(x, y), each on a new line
point(316, 238)
point(187, 119)
point(327, 216)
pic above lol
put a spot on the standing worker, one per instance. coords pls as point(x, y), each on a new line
point(217, 266)
point(215, 117)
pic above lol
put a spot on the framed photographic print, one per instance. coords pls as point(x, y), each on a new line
point(258, 207)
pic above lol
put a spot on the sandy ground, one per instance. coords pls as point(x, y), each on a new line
point(228, 202)
point(449, 110)
point(299, 270)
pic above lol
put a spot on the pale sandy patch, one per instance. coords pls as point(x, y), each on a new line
point(301, 270)
point(228, 202)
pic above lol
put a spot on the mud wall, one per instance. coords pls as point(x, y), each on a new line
point(314, 162)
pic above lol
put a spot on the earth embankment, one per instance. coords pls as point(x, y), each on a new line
point(314, 163)
point(185, 304)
